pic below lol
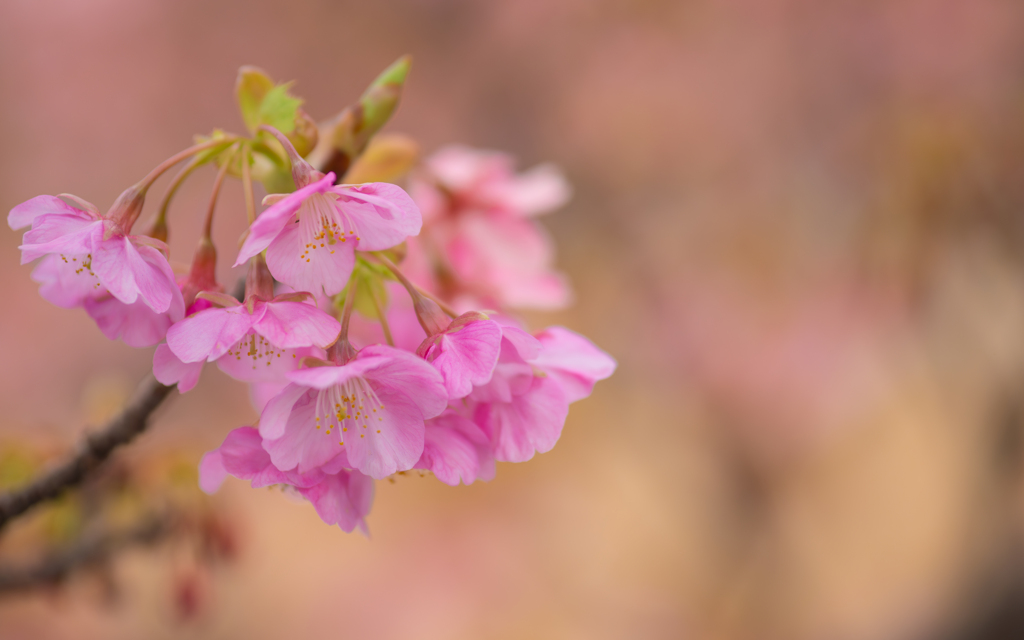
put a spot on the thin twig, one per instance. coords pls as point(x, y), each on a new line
point(87, 551)
point(94, 449)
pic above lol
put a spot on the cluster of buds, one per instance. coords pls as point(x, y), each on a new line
point(365, 342)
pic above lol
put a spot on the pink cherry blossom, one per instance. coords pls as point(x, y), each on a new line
point(477, 213)
point(96, 250)
point(464, 353)
point(134, 324)
point(311, 235)
point(79, 262)
point(523, 408)
point(374, 405)
point(342, 497)
point(254, 342)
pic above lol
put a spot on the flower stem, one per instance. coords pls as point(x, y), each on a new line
point(208, 225)
point(161, 168)
point(428, 311)
point(250, 200)
point(448, 309)
point(161, 217)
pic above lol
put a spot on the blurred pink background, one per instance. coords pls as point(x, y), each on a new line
point(797, 225)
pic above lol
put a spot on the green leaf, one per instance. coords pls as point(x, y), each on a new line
point(251, 87)
point(279, 108)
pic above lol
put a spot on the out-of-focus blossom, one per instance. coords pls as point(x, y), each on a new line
point(374, 405)
point(479, 240)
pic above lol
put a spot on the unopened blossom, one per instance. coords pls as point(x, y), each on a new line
point(311, 235)
point(465, 352)
point(368, 412)
point(340, 496)
point(523, 407)
point(479, 239)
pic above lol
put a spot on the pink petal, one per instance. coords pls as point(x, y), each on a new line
point(575, 362)
point(326, 377)
point(465, 355)
point(211, 472)
point(396, 447)
point(274, 418)
point(168, 369)
point(130, 272)
point(343, 499)
point(24, 214)
point(301, 446)
point(261, 393)
point(61, 283)
point(540, 190)
point(541, 290)
point(532, 422)
point(521, 343)
point(410, 375)
point(326, 269)
point(297, 324)
point(208, 334)
point(244, 457)
point(383, 214)
point(135, 324)
point(65, 234)
point(273, 220)
point(460, 167)
point(454, 449)
point(510, 379)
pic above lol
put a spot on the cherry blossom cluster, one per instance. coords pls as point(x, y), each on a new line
point(376, 329)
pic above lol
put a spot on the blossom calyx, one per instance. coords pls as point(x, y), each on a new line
point(126, 209)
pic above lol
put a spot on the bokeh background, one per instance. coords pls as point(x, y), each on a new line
point(797, 225)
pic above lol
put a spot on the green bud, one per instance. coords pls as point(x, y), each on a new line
point(347, 136)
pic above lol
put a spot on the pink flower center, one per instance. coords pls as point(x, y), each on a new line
point(322, 225)
point(350, 405)
point(255, 346)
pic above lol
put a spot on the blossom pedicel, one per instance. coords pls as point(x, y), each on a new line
point(361, 371)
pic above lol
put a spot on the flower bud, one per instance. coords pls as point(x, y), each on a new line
point(258, 281)
point(159, 229)
point(346, 137)
point(126, 209)
point(431, 318)
point(203, 274)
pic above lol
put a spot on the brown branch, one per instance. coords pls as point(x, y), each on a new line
point(86, 552)
point(94, 449)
